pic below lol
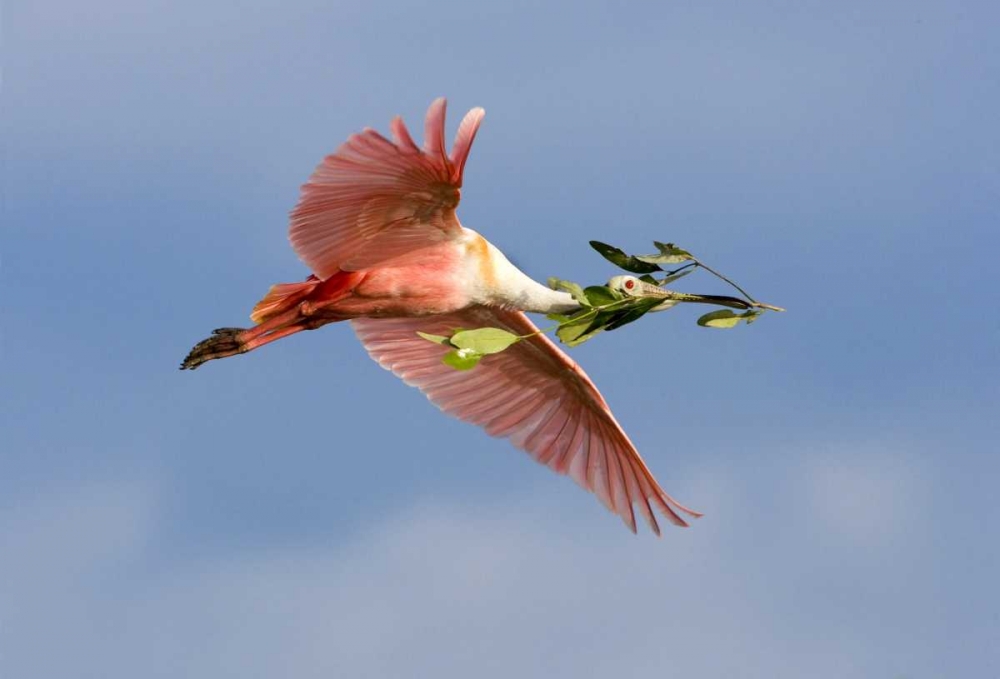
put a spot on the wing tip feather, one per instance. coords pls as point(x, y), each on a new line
point(434, 128)
point(566, 444)
point(464, 138)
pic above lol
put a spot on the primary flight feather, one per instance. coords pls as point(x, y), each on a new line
point(376, 223)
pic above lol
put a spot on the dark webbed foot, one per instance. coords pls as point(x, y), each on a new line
point(223, 342)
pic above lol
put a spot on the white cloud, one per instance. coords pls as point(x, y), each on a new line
point(865, 492)
point(494, 590)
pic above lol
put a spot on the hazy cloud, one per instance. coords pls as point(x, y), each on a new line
point(442, 589)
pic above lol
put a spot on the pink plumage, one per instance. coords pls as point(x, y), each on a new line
point(532, 393)
point(376, 223)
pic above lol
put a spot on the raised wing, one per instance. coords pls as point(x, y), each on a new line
point(376, 199)
point(532, 393)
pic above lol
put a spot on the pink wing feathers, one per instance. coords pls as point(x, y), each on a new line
point(375, 199)
point(532, 393)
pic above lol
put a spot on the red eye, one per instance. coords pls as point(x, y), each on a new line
point(629, 284)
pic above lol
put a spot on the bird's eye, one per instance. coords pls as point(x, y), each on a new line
point(629, 284)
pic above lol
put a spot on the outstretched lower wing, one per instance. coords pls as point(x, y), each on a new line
point(375, 199)
point(532, 393)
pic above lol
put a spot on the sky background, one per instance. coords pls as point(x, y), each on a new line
point(299, 512)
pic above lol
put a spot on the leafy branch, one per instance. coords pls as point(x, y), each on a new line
point(623, 300)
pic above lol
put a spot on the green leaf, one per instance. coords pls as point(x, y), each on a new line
point(724, 318)
point(461, 359)
point(669, 254)
point(588, 333)
point(484, 340)
point(589, 324)
point(437, 339)
point(622, 260)
point(570, 287)
point(578, 324)
point(599, 295)
point(671, 250)
point(656, 259)
point(646, 278)
point(586, 324)
point(633, 313)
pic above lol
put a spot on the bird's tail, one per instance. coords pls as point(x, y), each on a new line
point(279, 314)
point(282, 297)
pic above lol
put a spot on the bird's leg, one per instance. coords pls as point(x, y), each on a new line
point(226, 342)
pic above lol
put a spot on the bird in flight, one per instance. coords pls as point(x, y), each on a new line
point(376, 224)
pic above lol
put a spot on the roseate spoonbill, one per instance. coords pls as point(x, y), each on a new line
point(376, 224)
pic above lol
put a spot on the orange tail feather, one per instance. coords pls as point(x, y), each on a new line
point(282, 297)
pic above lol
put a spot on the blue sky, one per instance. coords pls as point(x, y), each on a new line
point(298, 512)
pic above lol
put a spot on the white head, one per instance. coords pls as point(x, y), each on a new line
point(630, 286)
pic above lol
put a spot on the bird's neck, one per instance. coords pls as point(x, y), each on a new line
point(513, 288)
point(529, 295)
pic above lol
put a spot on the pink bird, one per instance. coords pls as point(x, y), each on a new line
point(376, 223)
